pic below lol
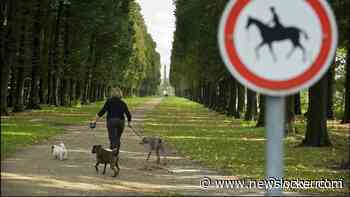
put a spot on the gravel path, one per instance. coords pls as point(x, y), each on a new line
point(34, 171)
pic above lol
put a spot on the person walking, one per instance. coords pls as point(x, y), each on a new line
point(116, 110)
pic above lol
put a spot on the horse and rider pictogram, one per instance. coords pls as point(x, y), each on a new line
point(293, 45)
point(277, 32)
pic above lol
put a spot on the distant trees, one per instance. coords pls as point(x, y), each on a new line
point(61, 52)
point(198, 73)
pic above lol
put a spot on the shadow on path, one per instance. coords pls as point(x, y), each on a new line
point(34, 171)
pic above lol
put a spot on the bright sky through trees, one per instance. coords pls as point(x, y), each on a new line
point(160, 21)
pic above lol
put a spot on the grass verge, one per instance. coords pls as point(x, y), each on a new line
point(236, 147)
point(22, 129)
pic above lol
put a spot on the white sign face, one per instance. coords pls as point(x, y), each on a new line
point(277, 47)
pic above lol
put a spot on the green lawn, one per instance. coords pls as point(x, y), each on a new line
point(23, 129)
point(236, 147)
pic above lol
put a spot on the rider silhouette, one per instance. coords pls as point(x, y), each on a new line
point(275, 19)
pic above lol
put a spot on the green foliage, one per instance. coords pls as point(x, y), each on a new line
point(341, 11)
point(339, 97)
point(143, 72)
point(111, 39)
point(195, 55)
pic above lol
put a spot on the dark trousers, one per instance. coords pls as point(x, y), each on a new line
point(115, 128)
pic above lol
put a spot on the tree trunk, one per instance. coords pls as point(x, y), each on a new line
point(316, 132)
point(221, 100)
point(19, 104)
point(5, 72)
point(261, 118)
point(290, 115)
point(73, 92)
point(56, 56)
point(7, 53)
point(45, 63)
point(34, 93)
point(227, 94)
point(97, 92)
point(12, 101)
point(86, 90)
point(50, 86)
point(55, 91)
point(103, 91)
point(51, 64)
point(233, 97)
point(207, 94)
point(330, 91)
point(66, 92)
point(217, 97)
point(43, 90)
point(241, 100)
point(297, 104)
point(251, 105)
point(79, 90)
point(211, 95)
point(91, 92)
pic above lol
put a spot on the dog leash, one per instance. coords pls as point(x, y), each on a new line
point(92, 126)
point(136, 133)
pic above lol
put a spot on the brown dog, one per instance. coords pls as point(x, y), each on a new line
point(106, 156)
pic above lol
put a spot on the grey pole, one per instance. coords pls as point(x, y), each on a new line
point(274, 120)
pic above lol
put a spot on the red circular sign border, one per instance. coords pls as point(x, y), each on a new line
point(278, 84)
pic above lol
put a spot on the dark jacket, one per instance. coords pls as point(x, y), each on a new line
point(115, 108)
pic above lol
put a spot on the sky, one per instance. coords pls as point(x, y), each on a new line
point(160, 21)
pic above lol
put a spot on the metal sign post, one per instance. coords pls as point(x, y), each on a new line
point(275, 108)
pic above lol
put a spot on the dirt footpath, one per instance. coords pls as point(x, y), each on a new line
point(34, 171)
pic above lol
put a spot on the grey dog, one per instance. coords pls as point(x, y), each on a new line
point(106, 156)
point(154, 144)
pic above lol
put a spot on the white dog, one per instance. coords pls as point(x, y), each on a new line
point(59, 151)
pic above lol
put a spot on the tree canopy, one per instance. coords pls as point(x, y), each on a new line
point(73, 50)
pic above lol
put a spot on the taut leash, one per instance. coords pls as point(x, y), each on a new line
point(136, 133)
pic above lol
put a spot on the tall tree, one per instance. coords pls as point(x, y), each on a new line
point(19, 92)
point(241, 99)
point(105, 43)
point(316, 130)
point(7, 48)
point(251, 105)
point(34, 96)
point(261, 118)
point(290, 115)
point(297, 104)
point(330, 91)
point(233, 97)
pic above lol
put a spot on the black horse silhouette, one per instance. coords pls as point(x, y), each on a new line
point(270, 35)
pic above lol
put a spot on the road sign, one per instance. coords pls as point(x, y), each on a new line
point(277, 47)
